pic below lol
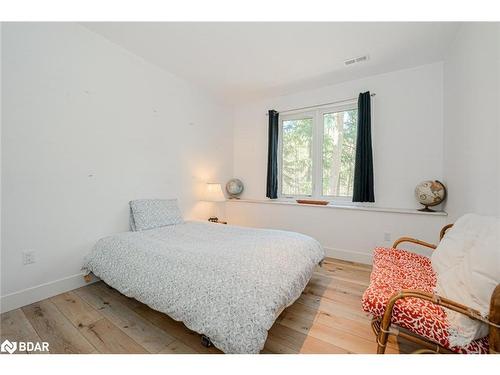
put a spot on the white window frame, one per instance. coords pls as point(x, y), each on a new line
point(317, 150)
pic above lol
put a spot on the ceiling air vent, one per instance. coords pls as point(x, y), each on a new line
point(355, 60)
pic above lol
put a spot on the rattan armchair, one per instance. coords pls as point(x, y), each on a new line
point(383, 328)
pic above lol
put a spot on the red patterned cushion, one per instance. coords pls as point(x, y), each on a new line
point(395, 269)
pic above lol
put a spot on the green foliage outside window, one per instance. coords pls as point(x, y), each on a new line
point(297, 157)
point(337, 153)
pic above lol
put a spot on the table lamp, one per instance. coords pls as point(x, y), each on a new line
point(214, 194)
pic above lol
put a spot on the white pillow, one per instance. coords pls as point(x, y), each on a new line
point(154, 213)
point(467, 264)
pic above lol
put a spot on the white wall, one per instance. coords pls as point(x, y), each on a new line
point(349, 234)
point(407, 131)
point(87, 126)
point(407, 147)
point(472, 120)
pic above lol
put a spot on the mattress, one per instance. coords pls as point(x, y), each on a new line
point(226, 282)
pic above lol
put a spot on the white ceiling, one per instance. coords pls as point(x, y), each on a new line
point(239, 61)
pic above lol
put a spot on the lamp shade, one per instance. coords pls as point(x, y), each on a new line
point(214, 193)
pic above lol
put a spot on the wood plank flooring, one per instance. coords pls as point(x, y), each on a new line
point(327, 318)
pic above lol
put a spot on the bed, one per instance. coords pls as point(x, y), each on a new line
point(225, 282)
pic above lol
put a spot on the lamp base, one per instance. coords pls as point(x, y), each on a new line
point(213, 219)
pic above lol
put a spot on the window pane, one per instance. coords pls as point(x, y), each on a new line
point(339, 151)
point(296, 163)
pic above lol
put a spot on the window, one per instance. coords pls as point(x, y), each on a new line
point(339, 151)
point(296, 161)
point(317, 152)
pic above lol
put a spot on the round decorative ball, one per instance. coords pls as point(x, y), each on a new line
point(430, 193)
point(234, 188)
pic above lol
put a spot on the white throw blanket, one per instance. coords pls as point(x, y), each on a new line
point(467, 264)
point(226, 282)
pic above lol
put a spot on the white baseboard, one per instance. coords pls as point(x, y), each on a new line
point(37, 293)
point(349, 255)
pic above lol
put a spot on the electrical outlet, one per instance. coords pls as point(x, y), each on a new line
point(387, 237)
point(28, 257)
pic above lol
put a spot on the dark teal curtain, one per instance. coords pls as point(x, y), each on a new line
point(272, 156)
point(363, 169)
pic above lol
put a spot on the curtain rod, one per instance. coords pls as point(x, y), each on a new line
point(319, 105)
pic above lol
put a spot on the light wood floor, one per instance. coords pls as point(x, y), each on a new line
point(327, 318)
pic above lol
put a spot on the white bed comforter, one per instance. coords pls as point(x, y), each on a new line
point(228, 283)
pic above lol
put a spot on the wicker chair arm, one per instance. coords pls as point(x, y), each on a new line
point(443, 231)
point(413, 240)
point(435, 299)
point(420, 242)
